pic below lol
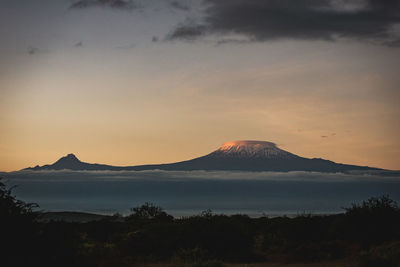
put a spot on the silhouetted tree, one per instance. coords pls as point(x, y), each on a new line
point(12, 208)
point(374, 205)
point(374, 220)
point(149, 211)
point(18, 230)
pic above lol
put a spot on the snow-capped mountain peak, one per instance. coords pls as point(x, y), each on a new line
point(251, 149)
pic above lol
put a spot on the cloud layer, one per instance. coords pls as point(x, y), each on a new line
point(263, 20)
point(159, 175)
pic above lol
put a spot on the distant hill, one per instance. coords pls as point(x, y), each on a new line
point(71, 216)
point(236, 156)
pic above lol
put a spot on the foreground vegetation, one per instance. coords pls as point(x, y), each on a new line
point(366, 234)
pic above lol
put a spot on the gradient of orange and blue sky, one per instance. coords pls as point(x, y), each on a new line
point(135, 82)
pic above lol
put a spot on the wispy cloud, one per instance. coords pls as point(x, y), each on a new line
point(126, 47)
point(32, 50)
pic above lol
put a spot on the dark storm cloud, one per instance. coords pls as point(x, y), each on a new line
point(263, 20)
point(180, 5)
point(232, 41)
point(188, 31)
point(118, 4)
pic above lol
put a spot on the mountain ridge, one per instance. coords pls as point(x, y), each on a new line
point(241, 155)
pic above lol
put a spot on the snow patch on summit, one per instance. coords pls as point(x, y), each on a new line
point(251, 149)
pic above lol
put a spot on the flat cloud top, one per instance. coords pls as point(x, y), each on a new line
point(165, 176)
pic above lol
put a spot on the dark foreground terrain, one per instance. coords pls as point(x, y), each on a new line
point(366, 234)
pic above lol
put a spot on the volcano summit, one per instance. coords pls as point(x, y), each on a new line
point(251, 149)
point(243, 155)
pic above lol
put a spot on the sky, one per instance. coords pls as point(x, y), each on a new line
point(137, 82)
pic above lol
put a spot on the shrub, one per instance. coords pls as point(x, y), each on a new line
point(18, 229)
point(373, 221)
point(148, 211)
point(374, 206)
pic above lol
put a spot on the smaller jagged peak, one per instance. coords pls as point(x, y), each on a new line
point(69, 161)
point(69, 157)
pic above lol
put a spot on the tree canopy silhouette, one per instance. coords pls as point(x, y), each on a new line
point(18, 229)
point(12, 208)
point(149, 211)
point(375, 205)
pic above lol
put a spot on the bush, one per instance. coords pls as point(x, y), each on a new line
point(25, 242)
point(382, 205)
point(148, 211)
point(373, 221)
point(12, 208)
point(18, 229)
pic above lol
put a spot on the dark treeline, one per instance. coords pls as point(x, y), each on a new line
point(367, 234)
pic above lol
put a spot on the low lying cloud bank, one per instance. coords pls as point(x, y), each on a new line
point(159, 175)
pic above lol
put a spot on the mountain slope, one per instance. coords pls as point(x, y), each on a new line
point(237, 155)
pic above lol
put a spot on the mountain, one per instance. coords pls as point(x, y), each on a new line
point(71, 162)
point(241, 155)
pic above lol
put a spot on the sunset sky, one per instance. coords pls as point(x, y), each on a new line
point(156, 81)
